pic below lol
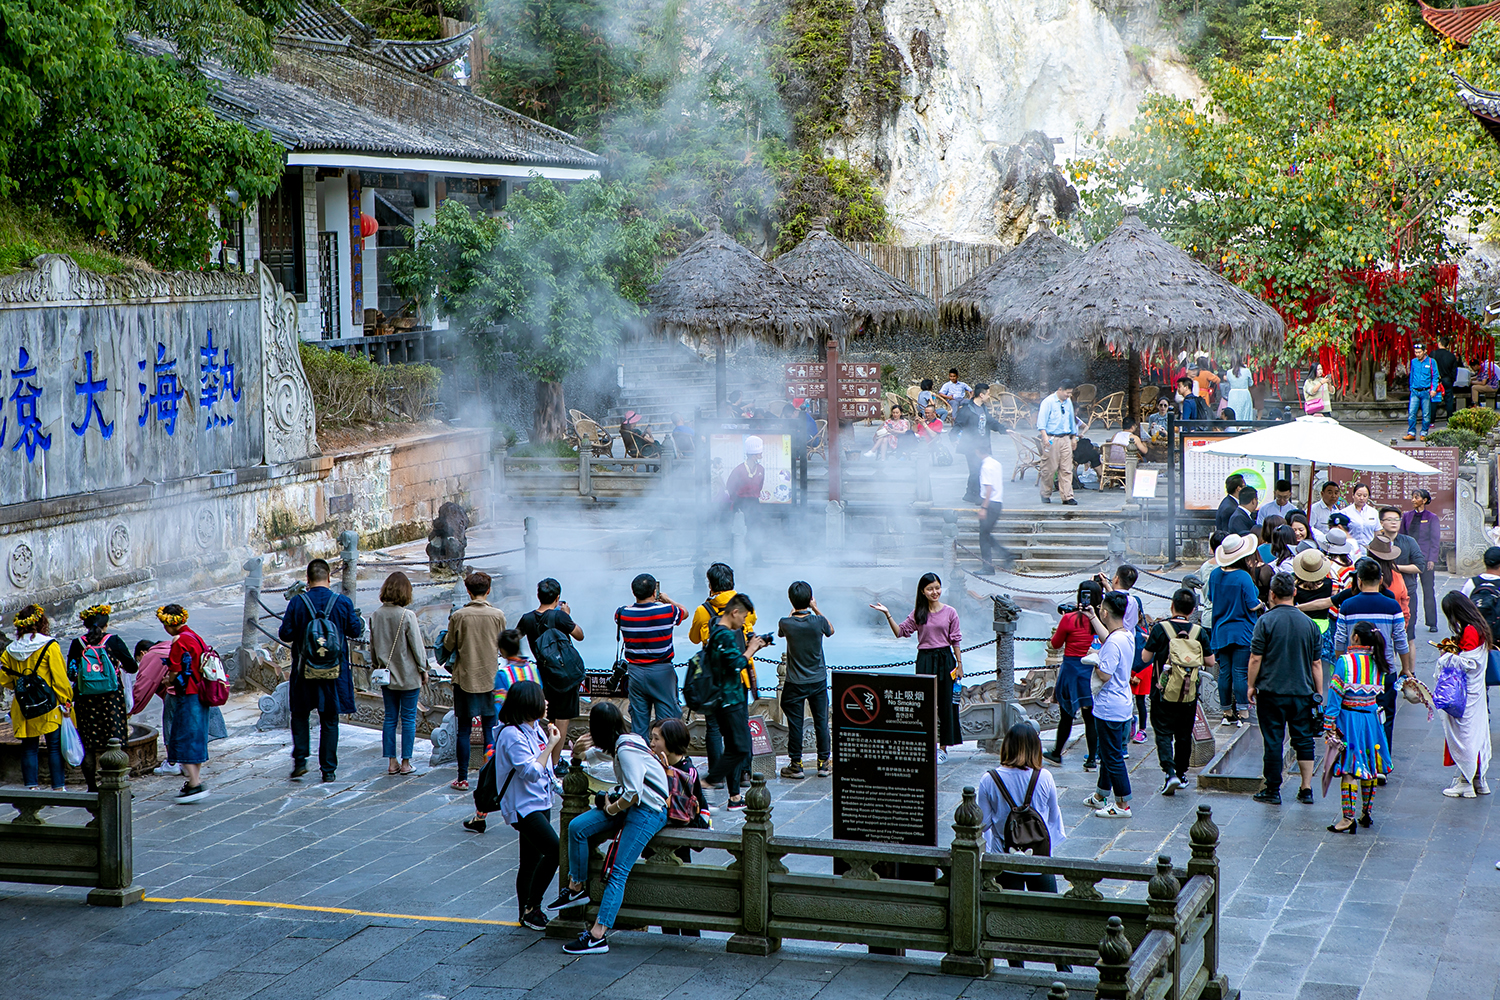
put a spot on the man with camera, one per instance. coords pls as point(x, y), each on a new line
point(727, 654)
point(646, 633)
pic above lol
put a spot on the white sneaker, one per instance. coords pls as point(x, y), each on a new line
point(1460, 789)
point(168, 769)
point(942, 756)
point(1481, 786)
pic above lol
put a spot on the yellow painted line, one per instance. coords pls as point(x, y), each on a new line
point(332, 909)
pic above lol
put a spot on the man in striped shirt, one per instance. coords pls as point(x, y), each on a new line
point(646, 630)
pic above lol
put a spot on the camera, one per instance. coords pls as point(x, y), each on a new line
point(768, 638)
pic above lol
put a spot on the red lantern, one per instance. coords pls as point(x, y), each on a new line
point(368, 226)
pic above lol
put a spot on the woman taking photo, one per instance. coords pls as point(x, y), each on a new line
point(637, 807)
point(1466, 741)
point(1351, 727)
point(523, 771)
point(34, 652)
point(1315, 392)
point(1114, 709)
point(401, 660)
point(1074, 695)
point(95, 662)
point(939, 652)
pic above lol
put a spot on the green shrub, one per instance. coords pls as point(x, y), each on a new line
point(1452, 437)
point(349, 388)
point(1477, 419)
point(544, 449)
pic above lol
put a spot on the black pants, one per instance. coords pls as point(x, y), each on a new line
point(1065, 729)
point(988, 547)
point(940, 663)
point(734, 727)
point(467, 706)
point(1426, 579)
point(713, 742)
point(975, 460)
point(1173, 723)
point(328, 738)
point(1388, 700)
point(1279, 713)
point(538, 861)
point(793, 697)
point(1031, 883)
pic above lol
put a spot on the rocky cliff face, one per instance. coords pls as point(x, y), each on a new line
point(992, 90)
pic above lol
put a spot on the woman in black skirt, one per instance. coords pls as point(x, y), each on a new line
point(939, 652)
point(95, 660)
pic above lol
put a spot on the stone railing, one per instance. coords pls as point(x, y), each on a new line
point(96, 855)
point(952, 903)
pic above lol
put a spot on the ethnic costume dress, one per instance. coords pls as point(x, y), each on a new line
point(1350, 718)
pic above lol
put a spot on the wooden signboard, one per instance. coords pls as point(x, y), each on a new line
point(819, 390)
point(1393, 489)
point(849, 371)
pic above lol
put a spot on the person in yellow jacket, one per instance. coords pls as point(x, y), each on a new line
point(36, 652)
point(720, 590)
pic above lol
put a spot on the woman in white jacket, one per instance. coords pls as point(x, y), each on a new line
point(637, 807)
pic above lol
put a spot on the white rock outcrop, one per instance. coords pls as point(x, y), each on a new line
point(979, 75)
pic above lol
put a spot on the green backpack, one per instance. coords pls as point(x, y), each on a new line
point(95, 671)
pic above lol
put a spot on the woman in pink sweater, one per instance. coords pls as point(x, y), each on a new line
point(938, 653)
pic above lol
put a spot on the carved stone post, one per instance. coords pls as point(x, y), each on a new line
point(349, 579)
point(249, 635)
point(755, 870)
point(1162, 893)
point(575, 802)
point(1114, 962)
point(924, 473)
point(585, 484)
point(1007, 613)
point(1204, 838)
point(1057, 992)
point(950, 549)
point(112, 822)
point(963, 958)
point(533, 552)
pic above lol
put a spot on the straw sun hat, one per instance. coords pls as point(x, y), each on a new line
point(1310, 566)
point(1232, 549)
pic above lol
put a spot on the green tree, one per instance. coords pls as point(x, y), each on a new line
point(555, 283)
point(238, 33)
point(1330, 158)
point(122, 143)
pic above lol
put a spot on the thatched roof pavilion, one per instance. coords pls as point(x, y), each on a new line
point(720, 291)
point(1010, 279)
point(1136, 291)
point(873, 299)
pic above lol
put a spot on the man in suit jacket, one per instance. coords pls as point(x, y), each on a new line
point(1242, 520)
point(1230, 503)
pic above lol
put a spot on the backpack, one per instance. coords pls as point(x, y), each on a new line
point(1184, 661)
point(487, 796)
point(557, 657)
point(213, 682)
point(700, 691)
point(96, 671)
point(1486, 598)
point(322, 644)
point(682, 804)
point(34, 696)
point(1025, 831)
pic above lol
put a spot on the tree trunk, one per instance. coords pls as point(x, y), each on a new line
point(1364, 376)
point(550, 422)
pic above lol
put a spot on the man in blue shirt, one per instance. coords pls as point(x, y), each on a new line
point(1424, 377)
point(1058, 429)
point(1189, 406)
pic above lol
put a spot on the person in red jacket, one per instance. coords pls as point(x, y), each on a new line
point(1073, 692)
point(189, 714)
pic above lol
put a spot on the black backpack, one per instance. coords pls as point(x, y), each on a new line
point(34, 696)
point(322, 644)
point(1025, 831)
point(556, 656)
point(1486, 598)
point(700, 689)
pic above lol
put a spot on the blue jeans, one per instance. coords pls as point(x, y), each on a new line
point(1421, 399)
point(652, 686)
point(1234, 678)
point(31, 761)
point(637, 826)
point(404, 703)
point(1112, 773)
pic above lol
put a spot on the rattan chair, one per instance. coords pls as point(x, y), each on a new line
point(1110, 410)
point(1148, 394)
point(598, 439)
point(1007, 409)
point(1029, 453)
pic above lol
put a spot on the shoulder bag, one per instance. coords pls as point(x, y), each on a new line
point(380, 676)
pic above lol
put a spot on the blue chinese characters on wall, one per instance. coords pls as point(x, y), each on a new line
point(92, 388)
point(167, 392)
point(216, 382)
point(24, 396)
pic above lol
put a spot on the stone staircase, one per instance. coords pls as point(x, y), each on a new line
point(662, 378)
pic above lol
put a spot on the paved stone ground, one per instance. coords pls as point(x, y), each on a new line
point(1407, 909)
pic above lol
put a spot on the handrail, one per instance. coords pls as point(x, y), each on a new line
point(1149, 958)
point(1198, 891)
point(40, 799)
point(1097, 870)
point(815, 847)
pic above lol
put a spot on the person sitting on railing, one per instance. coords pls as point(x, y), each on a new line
point(637, 807)
point(1023, 786)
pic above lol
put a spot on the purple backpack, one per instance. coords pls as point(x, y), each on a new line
point(1451, 692)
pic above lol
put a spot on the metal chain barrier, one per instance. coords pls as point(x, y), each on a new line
point(377, 563)
point(1032, 576)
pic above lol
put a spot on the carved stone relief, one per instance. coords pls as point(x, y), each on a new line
point(290, 419)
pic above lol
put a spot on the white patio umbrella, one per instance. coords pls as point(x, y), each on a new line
point(1315, 440)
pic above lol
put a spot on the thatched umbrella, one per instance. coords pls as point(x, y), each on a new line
point(873, 298)
point(1011, 278)
point(1136, 291)
point(717, 289)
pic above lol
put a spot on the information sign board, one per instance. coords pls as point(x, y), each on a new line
point(885, 757)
